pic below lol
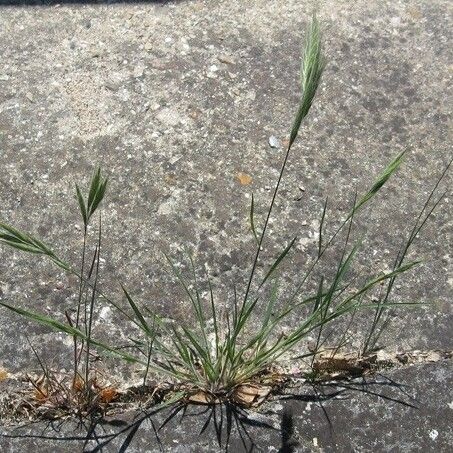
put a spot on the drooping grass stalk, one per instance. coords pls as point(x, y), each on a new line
point(330, 294)
point(89, 323)
point(313, 65)
point(378, 184)
point(96, 193)
point(79, 304)
point(149, 352)
point(375, 332)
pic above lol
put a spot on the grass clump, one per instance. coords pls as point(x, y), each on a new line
point(230, 356)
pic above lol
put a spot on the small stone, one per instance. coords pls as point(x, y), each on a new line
point(159, 65)
point(29, 96)
point(274, 142)
point(226, 59)
point(112, 85)
point(138, 71)
point(395, 21)
point(433, 434)
point(251, 95)
point(105, 313)
point(169, 117)
point(174, 159)
point(4, 77)
point(211, 73)
point(148, 46)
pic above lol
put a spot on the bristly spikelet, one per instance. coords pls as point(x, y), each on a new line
point(313, 65)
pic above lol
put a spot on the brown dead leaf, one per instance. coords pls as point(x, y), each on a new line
point(250, 395)
point(343, 365)
point(244, 179)
point(170, 179)
point(41, 394)
point(108, 394)
point(78, 384)
point(3, 374)
point(201, 397)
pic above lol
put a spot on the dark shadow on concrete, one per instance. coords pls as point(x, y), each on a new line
point(232, 428)
point(95, 432)
point(287, 432)
point(84, 2)
point(378, 385)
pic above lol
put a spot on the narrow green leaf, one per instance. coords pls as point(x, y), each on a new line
point(21, 246)
point(252, 221)
point(99, 195)
point(94, 187)
point(82, 206)
point(382, 179)
point(138, 313)
point(321, 225)
point(278, 261)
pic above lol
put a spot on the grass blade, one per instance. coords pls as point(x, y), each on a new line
point(252, 220)
point(278, 261)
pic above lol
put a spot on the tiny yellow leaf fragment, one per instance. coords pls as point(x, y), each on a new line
point(3, 374)
point(244, 178)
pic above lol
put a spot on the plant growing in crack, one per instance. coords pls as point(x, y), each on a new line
point(228, 358)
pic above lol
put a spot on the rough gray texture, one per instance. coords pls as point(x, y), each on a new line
point(174, 100)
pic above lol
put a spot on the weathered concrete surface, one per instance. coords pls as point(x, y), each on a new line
point(396, 411)
point(174, 100)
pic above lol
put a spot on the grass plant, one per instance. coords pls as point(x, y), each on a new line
point(224, 352)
